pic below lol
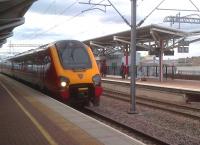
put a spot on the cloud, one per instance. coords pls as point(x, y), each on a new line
point(60, 7)
point(54, 7)
point(94, 22)
point(50, 20)
point(31, 33)
point(113, 17)
point(73, 7)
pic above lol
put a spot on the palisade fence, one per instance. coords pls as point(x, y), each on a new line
point(153, 71)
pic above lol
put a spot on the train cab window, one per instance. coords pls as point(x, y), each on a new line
point(73, 55)
point(47, 59)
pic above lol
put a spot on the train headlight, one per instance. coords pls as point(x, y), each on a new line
point(64, 81)
point(96, 79)
point(63, 84)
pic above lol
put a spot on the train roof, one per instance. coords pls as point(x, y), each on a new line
point(41, 48)
point(31, 51)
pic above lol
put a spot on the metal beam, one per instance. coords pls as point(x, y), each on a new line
point(195, 40)
point(139, 47)
point(155, 38)
point(174, 19)
point(3, 41)
point(97, 45)
point(116, 38)
point(5, 35)
point(13, 24)
point(168, 32)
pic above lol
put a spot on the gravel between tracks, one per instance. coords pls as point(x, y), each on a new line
point(173, 129)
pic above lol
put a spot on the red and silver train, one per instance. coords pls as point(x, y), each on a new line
point(67, 69)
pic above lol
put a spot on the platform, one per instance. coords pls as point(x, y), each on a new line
point(29, 117)
point(170, 89)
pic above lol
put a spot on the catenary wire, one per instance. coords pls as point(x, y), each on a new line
point(67, 20)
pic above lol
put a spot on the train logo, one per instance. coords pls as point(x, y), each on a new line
point(80, 76)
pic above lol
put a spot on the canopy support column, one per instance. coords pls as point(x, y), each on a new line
point(161, 61)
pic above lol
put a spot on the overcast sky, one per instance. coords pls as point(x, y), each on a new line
point(50, 20)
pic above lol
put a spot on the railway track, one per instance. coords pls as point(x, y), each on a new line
point(122, 127)
point(179, 109)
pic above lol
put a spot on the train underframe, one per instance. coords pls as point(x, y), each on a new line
point(82, 94)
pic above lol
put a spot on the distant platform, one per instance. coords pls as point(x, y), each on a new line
point(177, 90)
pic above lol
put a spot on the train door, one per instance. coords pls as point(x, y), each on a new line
point(46, 60)
point(40, 71)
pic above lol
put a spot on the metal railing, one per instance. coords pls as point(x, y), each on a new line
point(144, 71)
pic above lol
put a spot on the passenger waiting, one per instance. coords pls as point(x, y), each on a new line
point(122, 70)
point(103, 69)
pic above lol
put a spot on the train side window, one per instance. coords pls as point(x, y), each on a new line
point(47, 62)
point(29, 65)
point(47, 59)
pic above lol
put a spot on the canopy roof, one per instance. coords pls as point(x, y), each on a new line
point(148, 38)
point(11, 16)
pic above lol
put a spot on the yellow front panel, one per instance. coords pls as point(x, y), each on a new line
point(75, 77)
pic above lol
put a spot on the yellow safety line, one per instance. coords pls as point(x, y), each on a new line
point(35, 122)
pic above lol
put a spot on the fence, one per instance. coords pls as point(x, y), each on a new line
point(153, 71)
point(147, 71)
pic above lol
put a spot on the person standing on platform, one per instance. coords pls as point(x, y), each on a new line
point(103, 68)
point(122, 70)
point(126, 71)
point(141, 72)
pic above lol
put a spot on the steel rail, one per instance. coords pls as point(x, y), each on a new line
point(157, 104)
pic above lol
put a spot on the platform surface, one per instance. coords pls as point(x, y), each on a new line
point(29, 117)
point(172, 90)
point(190, 85)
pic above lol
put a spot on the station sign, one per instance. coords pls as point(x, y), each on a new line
point(154, 52)
point(183, 46)
point(169, 52)
point(166, 52)
point(182, 49)
point(183, 43)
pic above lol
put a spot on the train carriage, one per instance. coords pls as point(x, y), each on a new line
point(66, 68)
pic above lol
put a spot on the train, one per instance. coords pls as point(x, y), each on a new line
point(67, 69)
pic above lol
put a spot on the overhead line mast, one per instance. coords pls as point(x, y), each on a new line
point(133, 49)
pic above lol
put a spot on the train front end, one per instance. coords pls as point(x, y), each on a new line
point(78, 75)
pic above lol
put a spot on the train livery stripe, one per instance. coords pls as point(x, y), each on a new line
point(35, 122)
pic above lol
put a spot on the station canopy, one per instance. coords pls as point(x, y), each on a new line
point(11, 16)
point(148, 39)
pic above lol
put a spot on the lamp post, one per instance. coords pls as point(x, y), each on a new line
point(133, 44)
